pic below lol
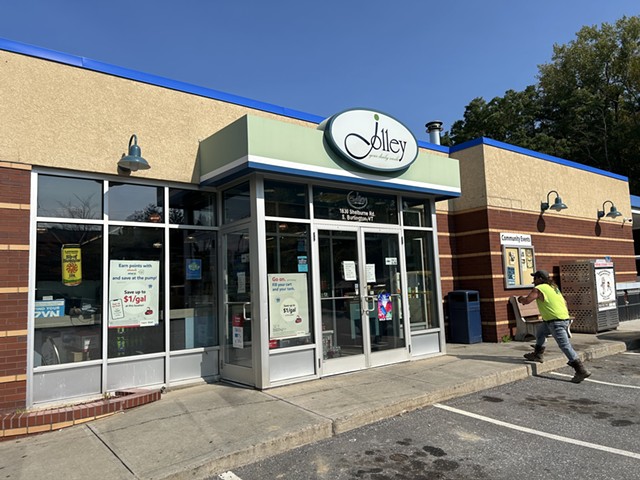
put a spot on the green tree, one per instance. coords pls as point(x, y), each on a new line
point(585, 106)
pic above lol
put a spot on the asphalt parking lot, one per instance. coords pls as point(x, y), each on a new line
point(542, 427)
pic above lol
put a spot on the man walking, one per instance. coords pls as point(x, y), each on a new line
point(555, 316)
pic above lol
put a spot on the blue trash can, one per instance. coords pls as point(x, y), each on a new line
point(465, 324)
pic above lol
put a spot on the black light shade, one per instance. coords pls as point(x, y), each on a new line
point(613, 211)
point(133, 161)
point(558, 204)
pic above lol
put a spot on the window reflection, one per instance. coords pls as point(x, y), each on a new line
point(421, 280)
point(416, 212)
point(284, 199)
point(67, 197)
point(193, 289)
point(136, 203)
point(236, 203)
point(192, 207)
point(68, 297)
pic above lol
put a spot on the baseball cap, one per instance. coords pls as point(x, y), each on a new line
point(542, 274)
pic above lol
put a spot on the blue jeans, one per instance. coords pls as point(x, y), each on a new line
point(557, 329)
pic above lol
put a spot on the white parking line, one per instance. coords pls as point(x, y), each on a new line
point(228, 476)
point(559, 438)
point(622, 385)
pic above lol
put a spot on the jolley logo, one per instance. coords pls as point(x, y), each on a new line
point(372, 140)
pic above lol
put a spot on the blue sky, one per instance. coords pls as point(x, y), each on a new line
point(413, 59)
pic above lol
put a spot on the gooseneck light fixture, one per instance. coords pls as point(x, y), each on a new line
point(613, 211)
point(133, 161)
point(558, 204)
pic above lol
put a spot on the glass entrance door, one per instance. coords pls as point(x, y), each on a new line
point(237, 341)
point(361, 298)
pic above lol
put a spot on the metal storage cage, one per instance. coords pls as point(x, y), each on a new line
point(590, 290)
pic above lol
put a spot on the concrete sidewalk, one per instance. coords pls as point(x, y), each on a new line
point(204, 430)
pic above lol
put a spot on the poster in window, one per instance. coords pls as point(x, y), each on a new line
point(193, 269)
point(349, 271)
point(133, 293)
point(288, 306)
point(385, 307)
point(71, 265)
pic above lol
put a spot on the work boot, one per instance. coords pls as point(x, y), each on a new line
point(581, 372)
point(537, 355)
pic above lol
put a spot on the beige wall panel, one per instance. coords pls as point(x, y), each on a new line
point(61, 116)
point(472, 179)
point(522, 182)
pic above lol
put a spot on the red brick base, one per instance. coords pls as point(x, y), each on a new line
point(16, 425)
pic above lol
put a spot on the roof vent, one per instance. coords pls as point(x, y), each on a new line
point(433, 129)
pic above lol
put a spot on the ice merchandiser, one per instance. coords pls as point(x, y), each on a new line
point(589, 287)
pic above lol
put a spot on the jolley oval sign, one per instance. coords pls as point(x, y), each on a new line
point(371, 139)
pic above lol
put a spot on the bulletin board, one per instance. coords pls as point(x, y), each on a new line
point(519, 263)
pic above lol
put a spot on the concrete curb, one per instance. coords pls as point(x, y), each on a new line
point(211, 467)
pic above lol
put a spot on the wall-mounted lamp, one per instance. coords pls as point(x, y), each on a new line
point(558, 204)
point(133, 161)
point(613, 211)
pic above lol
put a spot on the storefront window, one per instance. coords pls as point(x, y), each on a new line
point(193, 305)
point(136, 203)
point(289, 284)
point(68, 297)
point(136, 295)
point(416, 212)
point(67, 197)
point(285, 199)
point(236, 203)
point(354, 206)
point(421, 280)
point(192, 207)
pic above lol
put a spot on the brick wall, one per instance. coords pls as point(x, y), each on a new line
point(471, 254)
point(14, 280)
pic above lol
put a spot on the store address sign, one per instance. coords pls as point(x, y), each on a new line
point(372, 140)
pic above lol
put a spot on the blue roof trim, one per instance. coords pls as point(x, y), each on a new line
point(635, 201)
point(533, 153)
point(97, 66)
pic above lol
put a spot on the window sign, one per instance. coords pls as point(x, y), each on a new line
point(371, 272)
point(349, 271)
point(49, 308)
point(71, 265)
point(354, 206)
point(288, 306)
point(133, 293)
point(385, 307)
point(193, 269)
point(303, 263)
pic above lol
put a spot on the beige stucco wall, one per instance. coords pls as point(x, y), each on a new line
point(61, 116)
point(499, 178)
point(472, 179)
point(522, 182)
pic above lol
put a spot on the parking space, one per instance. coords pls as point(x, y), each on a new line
point(543, 427)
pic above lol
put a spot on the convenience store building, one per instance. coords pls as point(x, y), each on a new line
point(158, 234)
